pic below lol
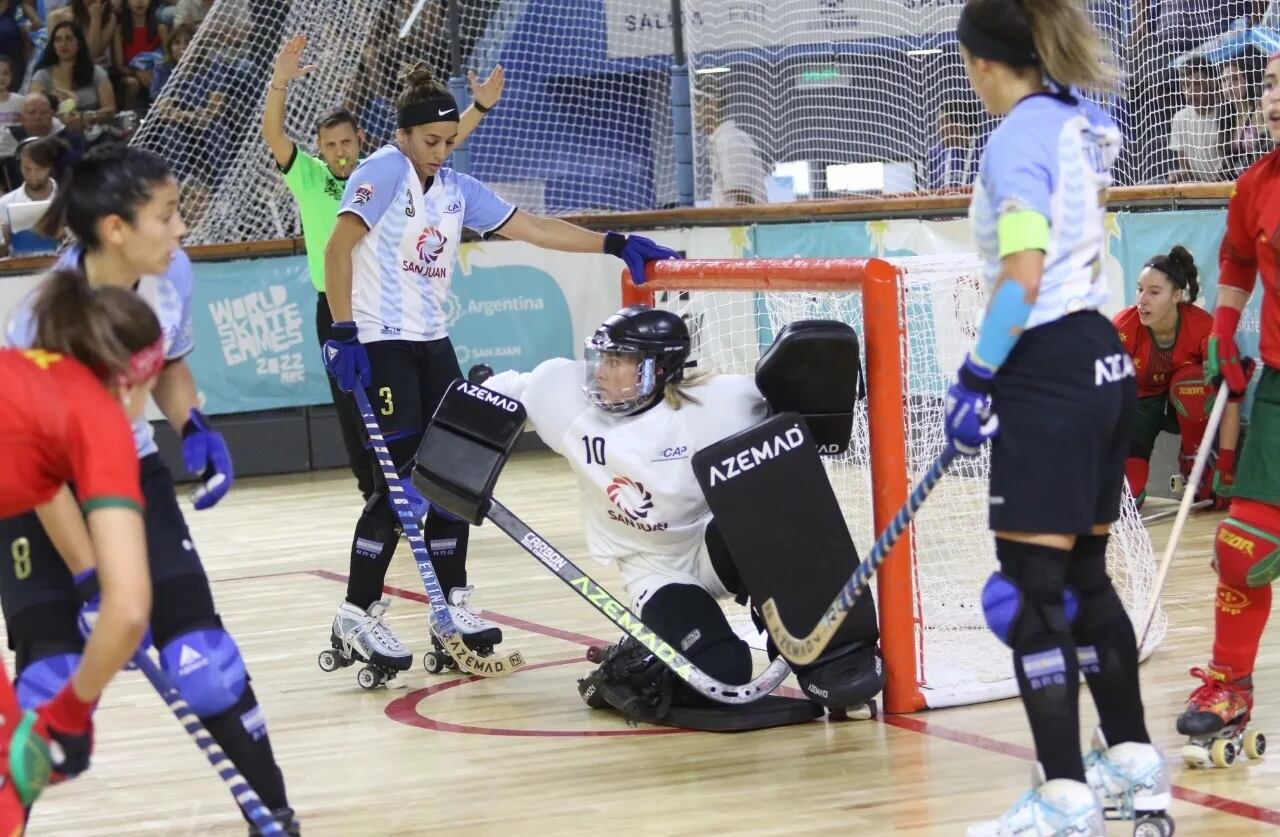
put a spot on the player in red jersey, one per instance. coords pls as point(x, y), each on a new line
point(1247, 546)
point(1167, 337)
point(65, 408)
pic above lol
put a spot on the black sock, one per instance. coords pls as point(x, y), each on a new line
point(1106, 644)
point(241, 732)
point(690, 620)
point(446, 538)
point(1044, 655)
point(372, 549)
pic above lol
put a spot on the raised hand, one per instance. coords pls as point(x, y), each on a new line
point(289, 64)
point(487, 93)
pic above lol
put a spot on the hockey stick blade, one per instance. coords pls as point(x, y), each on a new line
point(615, 612)
point(244, 795)
point(806, 649)
point(440, 620)
point(1184, 510)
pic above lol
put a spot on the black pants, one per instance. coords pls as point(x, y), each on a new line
point(353, 436)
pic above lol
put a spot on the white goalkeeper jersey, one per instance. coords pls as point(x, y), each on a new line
point(639, 497)
point(401, 270)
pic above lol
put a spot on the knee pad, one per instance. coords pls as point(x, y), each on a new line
point(1087, 578)
point(1247, 546)
point(692, 621)
point(1028, 600)
point(206, 668)
point(845, 678)
point(43, 678)
point(1192, 400)
point(1137, 470)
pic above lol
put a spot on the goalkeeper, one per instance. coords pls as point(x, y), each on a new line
point(317, 184)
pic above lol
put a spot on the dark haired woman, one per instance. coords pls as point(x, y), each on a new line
point(1053, 368)
point(65, 407)
point(86, 99)
point(387, 271)
point(121, 204)
point(1167, 336)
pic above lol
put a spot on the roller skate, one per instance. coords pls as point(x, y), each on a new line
point(1131, 781)
point(359, 635)
point(479, 634)
point(1216, 720)
point(286, 819)
point(1061, 806)
point(1178, 482)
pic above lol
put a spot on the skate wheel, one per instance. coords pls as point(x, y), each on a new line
point(368, 678)
point(1255, 744)
point(1193, 755)
point(328, 661)
point(1222, 753)
point(595, 654)
point(1156, 825)
point(432, 663)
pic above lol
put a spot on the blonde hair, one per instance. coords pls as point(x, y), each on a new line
point(1069, 45)
point(677, 393)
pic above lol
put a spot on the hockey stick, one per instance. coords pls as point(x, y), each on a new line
point(441, 622)
point(1184, 509)
point(599, 598)
point(244, 795)
point(1157, 517)
point(412, 18)
point(806, 649)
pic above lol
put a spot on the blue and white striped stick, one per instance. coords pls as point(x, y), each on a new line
point(803, 650)
point(244, 795)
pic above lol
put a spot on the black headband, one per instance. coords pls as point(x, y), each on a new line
point(982, 45)
point(439, 108)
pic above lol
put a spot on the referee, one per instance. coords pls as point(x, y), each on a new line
point(318, 183)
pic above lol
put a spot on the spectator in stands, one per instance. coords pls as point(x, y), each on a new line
point(191, 12)
point(14, 41)
point(1182, 25)
point(1246, 137)
point(1195, 135)
point(175, 47)
point(737, 167)
point(36, 120)
point(86, 100)
point(165, 11)
point(38, 159)
point(98, 23)
point(9, 103)
point(137, 51)
point(953, 160)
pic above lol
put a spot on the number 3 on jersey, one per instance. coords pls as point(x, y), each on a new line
point(594, 447)
point(20, 549)
point(388, 406)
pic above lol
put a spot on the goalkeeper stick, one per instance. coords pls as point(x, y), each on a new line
point(440, 620)
point(804, 650)
point(1184, 509)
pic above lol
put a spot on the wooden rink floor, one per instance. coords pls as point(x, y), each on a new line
point(523, 755)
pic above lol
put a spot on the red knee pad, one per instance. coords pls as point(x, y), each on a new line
point(1136, 470)
point(1247, 545)
point(1192, 400)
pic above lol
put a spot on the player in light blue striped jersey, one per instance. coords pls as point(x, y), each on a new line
point(388, 267)
point(1053, 368)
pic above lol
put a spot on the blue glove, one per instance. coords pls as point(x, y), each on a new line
point(205, 453)
point(636, 251)
point(345, 357)
point(418, 505)
point(90, 595)
point(970, 420)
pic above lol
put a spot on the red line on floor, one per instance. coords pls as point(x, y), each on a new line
point(906, 722)
point(405, 710)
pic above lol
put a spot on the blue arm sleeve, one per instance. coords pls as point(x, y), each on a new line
point(485, 212)
point(181, 276)
point(374, 185)
point(1003, 324)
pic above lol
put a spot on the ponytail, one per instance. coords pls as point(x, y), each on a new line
point(1180, 266)
point(1055, 35)
point(102, 328)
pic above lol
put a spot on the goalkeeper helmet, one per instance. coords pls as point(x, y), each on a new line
point(632, 356)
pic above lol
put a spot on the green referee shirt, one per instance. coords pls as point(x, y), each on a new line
point(319, 194)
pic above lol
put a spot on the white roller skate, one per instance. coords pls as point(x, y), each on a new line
point(364, 636)
point(1216, 720)
point(478, 633)
point(1132, 783)
point(1050, 809)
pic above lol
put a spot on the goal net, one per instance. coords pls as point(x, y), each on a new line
point(937, 647)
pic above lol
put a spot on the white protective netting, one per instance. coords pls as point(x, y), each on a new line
point(960, 660)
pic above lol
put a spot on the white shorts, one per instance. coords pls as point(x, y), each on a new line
point(644, 575)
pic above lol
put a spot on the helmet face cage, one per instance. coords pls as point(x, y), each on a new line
point(625, 392)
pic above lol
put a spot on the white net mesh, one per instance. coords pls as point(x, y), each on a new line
point(960, 660)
